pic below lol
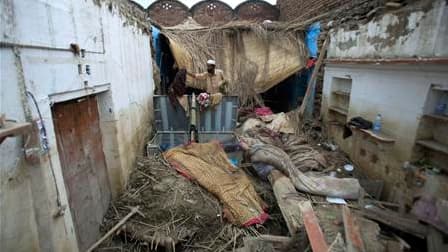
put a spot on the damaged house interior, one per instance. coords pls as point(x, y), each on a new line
point(224, 125)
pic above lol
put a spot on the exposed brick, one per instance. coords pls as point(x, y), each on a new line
point(168, 12)
point(212, 12)
point(256, 10)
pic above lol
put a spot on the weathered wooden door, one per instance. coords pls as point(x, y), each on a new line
point(80, 149)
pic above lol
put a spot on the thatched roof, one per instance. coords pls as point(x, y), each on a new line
point(254, 56)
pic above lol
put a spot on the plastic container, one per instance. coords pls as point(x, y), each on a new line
point(377, 124)
point(440, 109)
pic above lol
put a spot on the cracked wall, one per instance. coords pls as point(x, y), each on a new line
point(418, 31)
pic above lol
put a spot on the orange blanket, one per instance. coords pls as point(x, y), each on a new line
point(208, 164)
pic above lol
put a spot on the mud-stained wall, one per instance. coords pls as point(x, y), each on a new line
point(418, 31)
point(398, 93)
point(395, 89)
point(35, 54)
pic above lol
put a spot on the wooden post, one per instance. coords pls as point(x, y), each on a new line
point(134, 210)
point(312, 81)
point(313, 230)
point(352, 235)
point(288, 199)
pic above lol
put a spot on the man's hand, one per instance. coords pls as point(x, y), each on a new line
point(223, 86)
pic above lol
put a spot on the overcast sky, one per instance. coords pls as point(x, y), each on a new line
point(189, 3)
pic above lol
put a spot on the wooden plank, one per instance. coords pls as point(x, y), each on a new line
point(288, 200)
point(378, 136)
point(312, 81)
point(14, 129)
point(342, 93)
point(266, 243)
point(437, 117)
point(352, 235)
point(435, 241)
point(396, 220)
point(338, 110)
point(313, 230)
point(434, 145)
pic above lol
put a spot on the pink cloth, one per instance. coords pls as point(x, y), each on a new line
point(263, 111)
point(258, 220)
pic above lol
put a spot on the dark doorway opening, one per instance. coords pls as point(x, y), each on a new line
point(288, 94)
point(169, 67)
point(83, 164)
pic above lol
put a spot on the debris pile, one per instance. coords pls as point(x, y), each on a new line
point(291, 192)
point(175, 213)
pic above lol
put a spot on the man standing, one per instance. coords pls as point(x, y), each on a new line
point(215, 82)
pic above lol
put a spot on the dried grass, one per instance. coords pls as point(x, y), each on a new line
point(205, 43)
point(180, 211)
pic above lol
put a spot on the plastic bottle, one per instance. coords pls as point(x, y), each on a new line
point(377, 124)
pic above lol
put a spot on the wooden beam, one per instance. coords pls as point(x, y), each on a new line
point(353, 237)
point(14, 129)
point(266, 243)
point(288, 200)
point(313, 230)
point(312, 81)
point(435, 241)
point(396, 220)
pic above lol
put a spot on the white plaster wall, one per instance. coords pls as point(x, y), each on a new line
point(398, 93)
point(421, 32)
point(119, 53)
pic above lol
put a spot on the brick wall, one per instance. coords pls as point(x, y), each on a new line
point(212, 12)
point(256, 10)
point(168, 12)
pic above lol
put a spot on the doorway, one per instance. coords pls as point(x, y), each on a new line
point(80, 148)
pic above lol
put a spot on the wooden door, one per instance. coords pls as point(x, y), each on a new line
point(83, 164)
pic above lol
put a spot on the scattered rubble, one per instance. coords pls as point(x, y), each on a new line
point(180, 211)
point(177, 214)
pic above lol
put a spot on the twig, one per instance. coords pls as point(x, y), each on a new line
point(139, 190)
point(134, 210)
point(146, 175)
point(198, 246)
point(229, 242)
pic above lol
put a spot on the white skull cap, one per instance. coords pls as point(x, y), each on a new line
point(211, 62)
